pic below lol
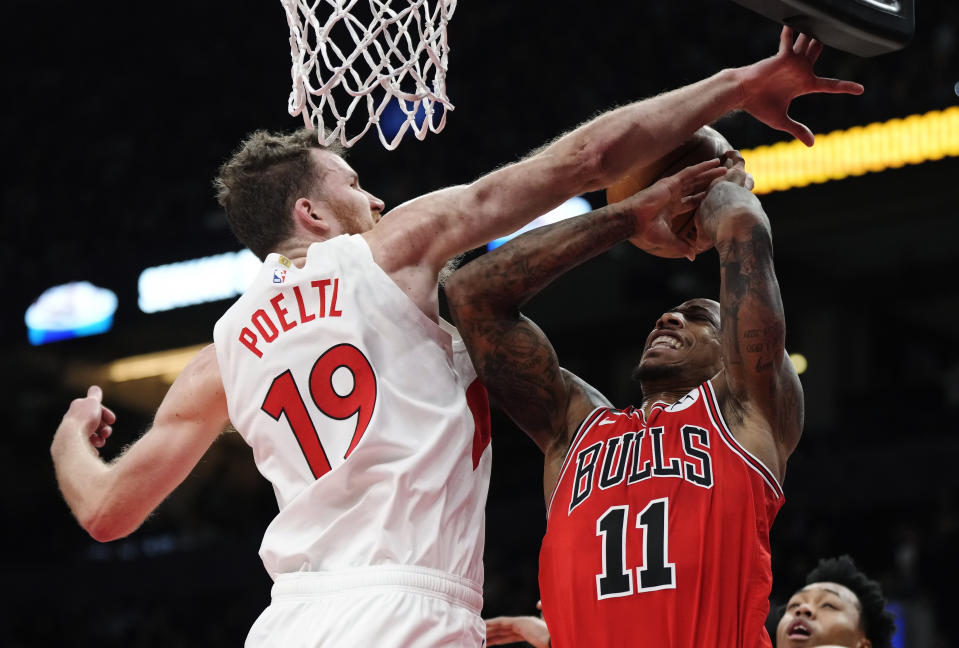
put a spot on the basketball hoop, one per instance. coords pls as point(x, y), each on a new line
point(393, 60)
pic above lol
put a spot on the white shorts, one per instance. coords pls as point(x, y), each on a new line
point(371, 607)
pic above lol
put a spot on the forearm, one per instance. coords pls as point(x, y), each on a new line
point(753, 320)
point(512, 356)
point(590, 157)
point(506, 278)
point(110, 500)
point(644, 131)
point(751, 303)
point(83, 478)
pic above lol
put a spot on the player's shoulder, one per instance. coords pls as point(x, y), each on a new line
point(583, 400)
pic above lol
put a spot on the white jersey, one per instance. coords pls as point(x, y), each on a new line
point(359, 410)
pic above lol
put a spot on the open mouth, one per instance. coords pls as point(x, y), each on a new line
point(798, 630)
point(664, 342)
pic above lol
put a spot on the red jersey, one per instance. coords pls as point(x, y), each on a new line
point(657, 534)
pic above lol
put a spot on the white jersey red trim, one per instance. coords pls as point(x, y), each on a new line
point(358, 409)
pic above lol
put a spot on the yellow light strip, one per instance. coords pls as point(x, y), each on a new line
point(162, 363)
point(856, 151)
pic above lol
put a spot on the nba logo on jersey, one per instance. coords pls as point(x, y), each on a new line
point(279, 275)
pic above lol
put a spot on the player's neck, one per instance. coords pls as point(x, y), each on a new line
point(663, 395)
point(295, 250)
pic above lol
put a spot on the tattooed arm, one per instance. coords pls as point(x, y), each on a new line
point(762, 396)
point(512, 356)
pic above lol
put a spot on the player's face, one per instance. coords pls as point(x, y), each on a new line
point(821, 614)
point(355, 209)
point(684, 342)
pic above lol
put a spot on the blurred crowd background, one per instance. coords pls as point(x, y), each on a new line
point(118, 115)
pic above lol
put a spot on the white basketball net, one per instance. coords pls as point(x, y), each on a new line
point(371, 54)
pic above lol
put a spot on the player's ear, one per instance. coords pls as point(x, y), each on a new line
point(306, 215)
point(864, 643)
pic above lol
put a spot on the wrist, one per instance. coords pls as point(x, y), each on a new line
point(622, 220)
point(742, 80)
point(741, 224)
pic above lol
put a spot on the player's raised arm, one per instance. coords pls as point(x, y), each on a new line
point(110, 500)
point(766, 395)
point(512, 355)
point(439, 225)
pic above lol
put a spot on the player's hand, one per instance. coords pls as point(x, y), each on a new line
point(735, 166)
point(771, 84)
point(662, 207)
point(506, 630)
point(729, 197)
point(91, 416)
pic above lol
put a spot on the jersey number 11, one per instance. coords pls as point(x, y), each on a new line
point(656, 572)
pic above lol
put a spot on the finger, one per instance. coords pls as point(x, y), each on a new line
point(107, 415)
point(95, 392)
point(838, 86)
point(99, 438)
point(785, 39)
point(705, 179)
point(814, 50)
point(691, 174)
point(539, 605)
point(799, 47)
point(696, 169)
point(750, 182)
point(797, 130)
point(733, 158)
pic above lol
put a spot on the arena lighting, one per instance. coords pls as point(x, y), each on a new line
point(572, 207)
point(196, 281)
point(71, 310)
point(799, 362)
point(165, 364)
point(856, 151)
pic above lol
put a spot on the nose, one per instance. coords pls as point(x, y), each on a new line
point(670, 320)
point(805, 610)
point(375, 203)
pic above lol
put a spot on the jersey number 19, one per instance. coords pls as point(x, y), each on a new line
point(284, 397)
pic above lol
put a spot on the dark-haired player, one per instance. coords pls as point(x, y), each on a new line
point(658, 516)
point(839, 606)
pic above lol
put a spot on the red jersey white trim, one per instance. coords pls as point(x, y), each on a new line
point(716, 414)
point(657, 534)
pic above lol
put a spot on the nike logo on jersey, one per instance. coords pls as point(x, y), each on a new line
point(684, 402)
point(606, 422)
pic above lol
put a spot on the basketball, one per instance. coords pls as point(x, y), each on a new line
point(705, 144)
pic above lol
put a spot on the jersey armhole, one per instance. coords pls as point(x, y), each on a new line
point(716, 417)
point(577, 438)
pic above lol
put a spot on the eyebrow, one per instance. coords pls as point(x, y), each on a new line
point(824, 589)
point(698, 311)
